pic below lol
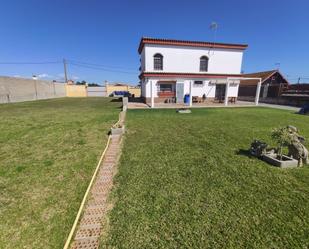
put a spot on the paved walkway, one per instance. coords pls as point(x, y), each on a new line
point(139, 105)
point(135, 105)
point(283, 107)
point(90, 227)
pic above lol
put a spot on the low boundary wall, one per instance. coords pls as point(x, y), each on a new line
point(14, 89)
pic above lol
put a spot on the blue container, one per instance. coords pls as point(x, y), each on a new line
point(187, 99)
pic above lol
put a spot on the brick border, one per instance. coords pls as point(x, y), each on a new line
point(90, 227)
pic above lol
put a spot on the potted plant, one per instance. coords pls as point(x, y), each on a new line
point(283, 139)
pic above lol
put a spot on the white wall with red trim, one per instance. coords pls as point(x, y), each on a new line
point(208, 87)
point(182, 59)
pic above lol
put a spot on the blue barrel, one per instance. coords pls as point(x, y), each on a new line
point(187, 99)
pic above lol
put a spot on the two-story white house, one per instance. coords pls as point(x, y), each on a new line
point(171, 69)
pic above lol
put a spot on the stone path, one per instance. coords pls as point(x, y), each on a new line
point(90, 227)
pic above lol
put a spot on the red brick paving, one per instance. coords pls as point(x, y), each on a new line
point(90, 227)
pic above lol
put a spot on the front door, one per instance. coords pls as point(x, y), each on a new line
point(220, 92)
point(179, 92)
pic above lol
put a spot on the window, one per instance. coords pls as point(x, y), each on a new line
point(204, 64)
point(158, 62)
point(198, 83)
point(166, 87)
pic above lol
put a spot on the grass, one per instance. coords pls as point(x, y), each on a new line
point(184, 182)
point(48, 151)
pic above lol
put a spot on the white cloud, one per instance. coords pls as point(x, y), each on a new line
point(17, 76)
point(74, 77)
point(44, 75)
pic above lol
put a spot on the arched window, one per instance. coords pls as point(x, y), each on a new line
point(158, 62)
point(204, 64)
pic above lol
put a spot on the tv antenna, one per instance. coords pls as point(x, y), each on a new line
point(214, 27)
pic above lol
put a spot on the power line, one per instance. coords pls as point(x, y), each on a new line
point(100, 65)
point(30, 63)
point(99, 68)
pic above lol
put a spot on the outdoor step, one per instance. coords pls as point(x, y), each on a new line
point(97, 201)
point(86, 243)
point(90, 226)
point(88, 232)
point(100, 190)
point(92, 206)
point(106, 171)
point(108, 165)
point(99, 195)
point(108, 154)
point(104, 176)
point(95, 211)
point(91, 220)
point(101, 183)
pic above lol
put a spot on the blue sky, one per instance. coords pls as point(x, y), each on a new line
point(108, 33)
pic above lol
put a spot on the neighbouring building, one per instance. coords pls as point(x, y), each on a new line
point(273, 84)
point(171, 69)
point(275, 89)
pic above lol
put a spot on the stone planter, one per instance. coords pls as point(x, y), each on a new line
point(117, 130)
point(286, 162)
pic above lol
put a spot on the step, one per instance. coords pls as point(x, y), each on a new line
point(89, 243)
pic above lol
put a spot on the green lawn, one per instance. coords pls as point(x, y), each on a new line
point(48, 152)
point(183, 182)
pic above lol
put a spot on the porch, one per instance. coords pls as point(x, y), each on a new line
point(142, 105)
point(176, 94)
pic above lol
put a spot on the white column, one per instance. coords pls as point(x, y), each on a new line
point(226, 98)
point(152, 94)
point(190, 100)
point(258, 89)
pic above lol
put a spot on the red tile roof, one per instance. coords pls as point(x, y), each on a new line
point(186, 75)
point(264, 75)
point(146, 40)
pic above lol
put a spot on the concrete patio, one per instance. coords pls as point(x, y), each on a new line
point(140, 105)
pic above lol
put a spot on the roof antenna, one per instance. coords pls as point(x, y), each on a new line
point(213, 26)
point(277, 65)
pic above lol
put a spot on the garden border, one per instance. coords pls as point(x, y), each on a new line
point(120, 122)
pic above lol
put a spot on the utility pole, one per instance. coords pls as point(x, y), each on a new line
point(65, 71)
point(298, 88)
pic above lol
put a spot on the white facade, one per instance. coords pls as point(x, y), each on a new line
point(181, 66)
point(187, 59)
point(208, 87)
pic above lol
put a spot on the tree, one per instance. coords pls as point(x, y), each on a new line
point(81, 83)
point(93, 84)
